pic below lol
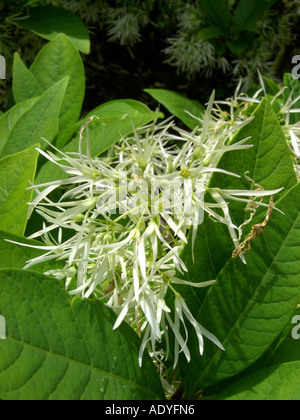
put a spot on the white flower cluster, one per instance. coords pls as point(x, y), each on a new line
point(128, 216)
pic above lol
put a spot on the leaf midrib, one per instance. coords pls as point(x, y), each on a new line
point(83, 365)
point(37, 122)
point(15, 183)
point(250, 303)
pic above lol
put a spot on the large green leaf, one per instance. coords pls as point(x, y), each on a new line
point(11, 117)
point(269, 162)
point(59, 58)
point(48, 21)
point(16, 172)
point(247, 12)
point(284, 349)
point(116, 119)
point(243, 42)
point(271, 87)
point(219, 13)
point(16, 256)
point(25, 85)
point(25, 124)
point(210, 32)
point(61, 350)
point(274, 383)
point(179, 106)
point(212, 249)
point(288, 347)
point(65, 135)
point(249, 305)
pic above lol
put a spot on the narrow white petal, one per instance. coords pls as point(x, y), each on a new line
point(150, 313)
point(248, 193)
point(124, 310)
point(143, 345)
point(121, 316)
point(142, 259)
point(199, 328)
point(176, 229)
point(136, 280)
point(179, 341)
point(295, 143)
point(190, 283)
point(43, 248)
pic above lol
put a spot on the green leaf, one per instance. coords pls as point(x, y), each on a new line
point(59, 58)
point(210, 32)
point(25, 85)
point(212, 249)
point(11, 117)
point(179, 106)
point(268, 162)
point(213, 246)
point(25, 124)
point(48, 21)
point(250, 305)
point(237, 48)
point(219, 13)
point(16, 172)
point(61, 350)
point(65, 135)
point(272, 88)
point(286, 348)
point(239, 45)
point(247, 12)
point(276, 383)
point(116, 120)
point(16, 256)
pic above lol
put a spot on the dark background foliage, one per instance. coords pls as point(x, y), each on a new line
point(121, 67)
